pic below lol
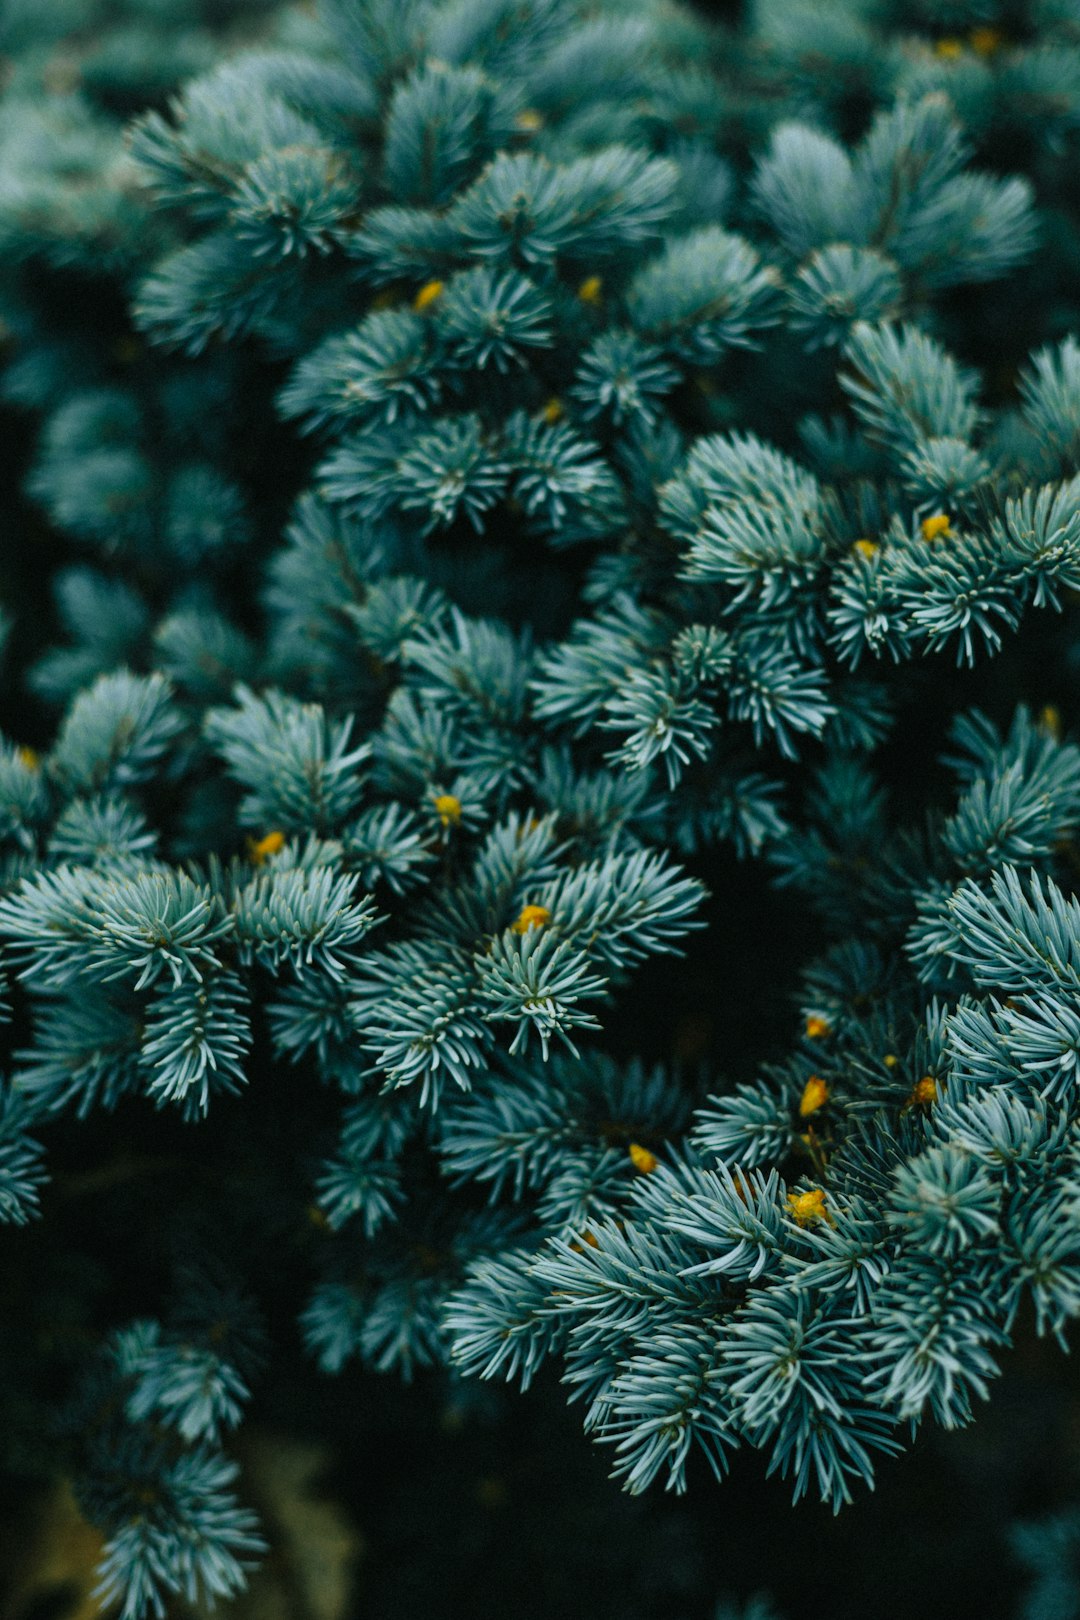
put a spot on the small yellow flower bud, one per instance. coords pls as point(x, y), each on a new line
point(585, 1238)
point(742, 1189)
point(590, 290)
point(553, 411)
point(261, 849)
point(529, 120)
point(644, 1161)
point(448, 808)
point(429, 293)
point(808, 1207)
point(985, 41)
point(948, 49)
point(866, 548)
point(936, 527)
point(1050, 721)
point(531, 917)
point(28, 757)
point(815, 1095)
point(890, 1060)
point(925, 1091)
point(817, 1029)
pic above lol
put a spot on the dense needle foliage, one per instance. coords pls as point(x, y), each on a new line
point(521, 482)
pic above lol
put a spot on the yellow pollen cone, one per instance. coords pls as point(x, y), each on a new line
point(448, 806)
point(985, 41)
point(644, 1161)
point(531, 917)
point(428, 294)
point(262, 848)
point(1050, 721)
point(815, 1095)
point(925, 1091)
point(808, 1207)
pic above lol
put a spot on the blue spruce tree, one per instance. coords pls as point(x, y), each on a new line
point(521, 483)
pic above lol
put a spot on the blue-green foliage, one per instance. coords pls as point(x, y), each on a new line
point(150, 1417)
point(520, 475)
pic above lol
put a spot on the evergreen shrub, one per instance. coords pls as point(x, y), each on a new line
point(521, 482)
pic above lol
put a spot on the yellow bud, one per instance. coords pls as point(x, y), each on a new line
point(890, 1060)
point(936, 527)
point(448, 807)
point(866, 548)
point(529, 120)
point(261, 849)
point(590, 289)
point(429, 293)
point(925, 1091)
point(815, 1095)
point(985, 41)
point(1050, 721)
point(28, 757)
point(817, 1028)
point(553, 411)
point(317, 1217)
point(644, 1161)
point(586, 1237)
point(808, 1207)
point(531, 917)
point(949, 49)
